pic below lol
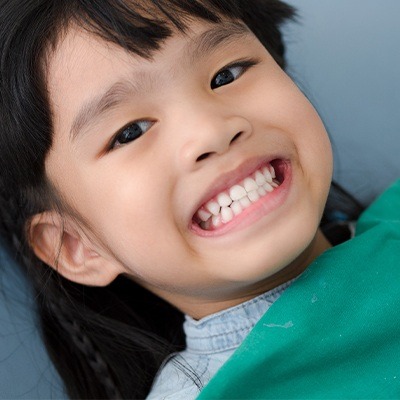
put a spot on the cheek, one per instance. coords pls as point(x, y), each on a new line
point(139, 228)
point(279, 106)
point(275, 100)
point(122, 205)
point(289, 110)
point(129, 201)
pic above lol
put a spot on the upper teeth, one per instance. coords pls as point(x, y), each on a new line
point(233, 201)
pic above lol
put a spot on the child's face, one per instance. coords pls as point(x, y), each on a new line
point(202, 134)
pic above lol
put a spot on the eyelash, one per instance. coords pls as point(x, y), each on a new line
point(144, 125)
point(243, 65)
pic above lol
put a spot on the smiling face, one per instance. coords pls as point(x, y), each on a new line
point(143, 150)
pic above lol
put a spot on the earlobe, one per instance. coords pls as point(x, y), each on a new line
point(62, 246)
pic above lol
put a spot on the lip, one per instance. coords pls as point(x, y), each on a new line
point(228, 179)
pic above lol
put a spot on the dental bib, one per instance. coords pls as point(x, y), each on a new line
point(335, 332)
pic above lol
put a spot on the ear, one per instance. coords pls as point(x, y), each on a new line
point(59, 243)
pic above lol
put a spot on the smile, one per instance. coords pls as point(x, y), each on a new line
point(242, 197)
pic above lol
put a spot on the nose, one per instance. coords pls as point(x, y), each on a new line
point(208, 130)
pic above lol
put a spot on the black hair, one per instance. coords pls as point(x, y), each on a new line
point(105, 342)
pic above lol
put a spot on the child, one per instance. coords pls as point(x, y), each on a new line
point(155, 157)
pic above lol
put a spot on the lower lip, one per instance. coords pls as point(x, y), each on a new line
point(256, 211)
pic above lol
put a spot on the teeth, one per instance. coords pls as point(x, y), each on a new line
point(213, 207)
point(250, 184)
point(274, 184)
point(228, 204)
point(236, 207)
point(204, 215)
point(226, 214)
point(245, 202)
point(272, 170)
point(216, 220)
point(237, 192)
point(261, 191)
point(224, 200)
point(253, 196)
point(267, 174)
point(260, 179)
point(268, 187)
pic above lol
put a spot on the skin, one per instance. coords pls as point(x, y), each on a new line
point(132, 205)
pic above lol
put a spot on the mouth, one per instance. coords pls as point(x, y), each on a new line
point(242, 197)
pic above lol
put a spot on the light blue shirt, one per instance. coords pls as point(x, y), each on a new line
point(209, 343)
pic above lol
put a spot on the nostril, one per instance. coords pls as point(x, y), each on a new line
point(236, 137)
point(203, 156)
point(206, 155)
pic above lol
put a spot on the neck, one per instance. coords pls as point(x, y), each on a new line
point(200, 308)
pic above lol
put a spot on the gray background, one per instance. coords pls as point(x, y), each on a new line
point(345, 55)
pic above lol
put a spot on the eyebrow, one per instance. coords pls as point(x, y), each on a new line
point(101, 104)
point(206, 43)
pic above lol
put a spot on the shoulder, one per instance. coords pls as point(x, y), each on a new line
point(384, 210)
point(183, 375)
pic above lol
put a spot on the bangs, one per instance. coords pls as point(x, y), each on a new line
point(142, 26)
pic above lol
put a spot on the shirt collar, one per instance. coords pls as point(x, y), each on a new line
point(226, 330)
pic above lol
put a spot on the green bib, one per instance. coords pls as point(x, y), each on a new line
point(335, 332)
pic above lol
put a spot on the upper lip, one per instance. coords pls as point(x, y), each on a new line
point(230, 178)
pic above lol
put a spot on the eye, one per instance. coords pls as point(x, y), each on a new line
point(131, 132)
point(231, 72)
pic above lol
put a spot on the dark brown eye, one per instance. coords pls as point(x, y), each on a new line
point(227, 75)
point(232, 72)
point(131, 132)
